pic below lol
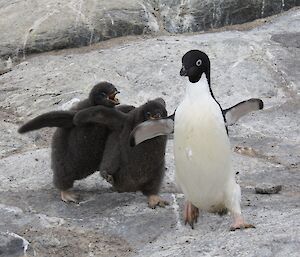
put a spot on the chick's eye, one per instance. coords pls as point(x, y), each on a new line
point(102, 94)
point(198, 62)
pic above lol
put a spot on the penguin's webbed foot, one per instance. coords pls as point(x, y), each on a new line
point(239, 223)
point(191, 214)
point(67, 196)
point(155, 200)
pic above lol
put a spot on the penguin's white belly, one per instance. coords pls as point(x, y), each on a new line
point(202, 153)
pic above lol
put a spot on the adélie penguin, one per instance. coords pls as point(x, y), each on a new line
point(201, 145)
point(131, 169)
point(76, 152)
point(202, 148)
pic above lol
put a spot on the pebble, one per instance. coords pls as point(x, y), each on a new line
point(267, 189)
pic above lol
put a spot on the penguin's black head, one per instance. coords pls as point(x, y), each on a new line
point(194, 64)
point(104, 93)
point(154, 109)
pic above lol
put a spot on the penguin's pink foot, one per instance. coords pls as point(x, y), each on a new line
point(67, 196)
point(239, 223)
point(155, 200)
point(191, 214)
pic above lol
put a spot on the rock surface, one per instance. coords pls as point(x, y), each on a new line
point(262, 62)
point(45, 25)
point(12, 245)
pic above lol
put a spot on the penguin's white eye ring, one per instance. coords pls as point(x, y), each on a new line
point(199, 62)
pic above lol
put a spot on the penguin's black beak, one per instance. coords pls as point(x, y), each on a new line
point(183, 71)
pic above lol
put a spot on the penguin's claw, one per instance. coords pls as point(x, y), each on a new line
point(234, 227)
point(241, 226)
point(239, 223)
point(155, 200)
point(67, 196)
point(191, 214)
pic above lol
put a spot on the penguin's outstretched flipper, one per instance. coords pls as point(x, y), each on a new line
point(152, 128)
point(109, 117)
point(234, 113)
point(60, 119)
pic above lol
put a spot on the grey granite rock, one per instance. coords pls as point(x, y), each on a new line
point(38, 26)
point(254, 63)
point(12, 245)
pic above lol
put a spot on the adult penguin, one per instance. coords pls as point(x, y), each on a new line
point(201, 145)
point(202, 149)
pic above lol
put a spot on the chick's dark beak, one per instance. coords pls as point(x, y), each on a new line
point(183, 71)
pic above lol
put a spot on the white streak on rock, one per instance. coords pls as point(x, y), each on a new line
point(79, 13)
point(152, 21)
point(12, 209)
point(34, 27)
point(263, 8)
point(111, 19)
point(83, 18)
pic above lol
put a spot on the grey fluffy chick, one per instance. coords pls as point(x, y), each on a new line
point(131, 169)
point(76, 151)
